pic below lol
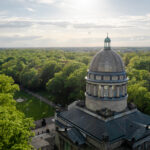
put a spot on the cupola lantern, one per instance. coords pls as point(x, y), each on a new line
point(107, 42)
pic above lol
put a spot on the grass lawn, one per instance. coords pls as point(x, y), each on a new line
point(43, 93)
point(33, 107)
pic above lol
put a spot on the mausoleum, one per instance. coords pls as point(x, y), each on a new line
point(104, 121)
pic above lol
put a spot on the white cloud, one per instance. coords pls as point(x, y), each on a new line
point(17, 22)
point(48, 32)
point(30, 9)
point(38, 1)
point(12, 38)
point(45, 1)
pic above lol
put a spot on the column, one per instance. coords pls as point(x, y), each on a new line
point(105, 91)
point(87, 88)
point(99, 90)
point(118, 91)
point(123, 90)
point(102, 91)
point(110, 91)
point(94, 90)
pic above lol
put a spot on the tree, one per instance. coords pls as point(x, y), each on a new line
point(7, 85)
point(65, 87)
point(139, 95)
point(15, 129)
point(30, 78)
point(48, 71)
point(56, 88)
point(76, 83)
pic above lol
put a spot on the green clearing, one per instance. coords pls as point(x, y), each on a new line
point(33, 107)
point(44, 94)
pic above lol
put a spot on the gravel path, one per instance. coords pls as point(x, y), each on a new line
point(45, 100)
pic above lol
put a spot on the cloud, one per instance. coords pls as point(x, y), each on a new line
point(24, 23)
point(45, 1)
point(94, 26)
point(14, 38)
point(140, 38)
point(86, 40)
point(59, 23)
point(30, 9)
point(15, 24)
point(39, 1)
point(45, 31)
point(113, 23)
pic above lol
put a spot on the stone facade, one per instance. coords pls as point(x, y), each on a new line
point(96, 105)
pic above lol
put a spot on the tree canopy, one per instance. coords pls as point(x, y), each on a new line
point(61, 73)
point(15, 129)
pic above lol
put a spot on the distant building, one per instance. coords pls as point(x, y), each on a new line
point(104, 121)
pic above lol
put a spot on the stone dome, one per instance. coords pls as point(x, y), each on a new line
point(107, 61)
point(106, 81)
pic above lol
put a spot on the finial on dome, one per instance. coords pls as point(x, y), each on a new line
point(107, 42)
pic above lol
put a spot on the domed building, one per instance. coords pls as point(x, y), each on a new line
point(104, 121)
point(106, 81)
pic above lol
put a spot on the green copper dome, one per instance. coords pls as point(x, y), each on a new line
point(107, 40)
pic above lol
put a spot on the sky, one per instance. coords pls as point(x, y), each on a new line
point(74, 23)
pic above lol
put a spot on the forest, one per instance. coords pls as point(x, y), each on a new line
point(60, 74)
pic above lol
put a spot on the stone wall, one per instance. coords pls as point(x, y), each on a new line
point(117, 105)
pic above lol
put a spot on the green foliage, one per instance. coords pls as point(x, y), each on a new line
point(62, 73)
point(15, 129)
point(48, 71)
point(138, 72)
point(30, 78)
point(76, 83)
point(69, 84)
point(7, 85)
point(139, 95)
point(34, 68)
